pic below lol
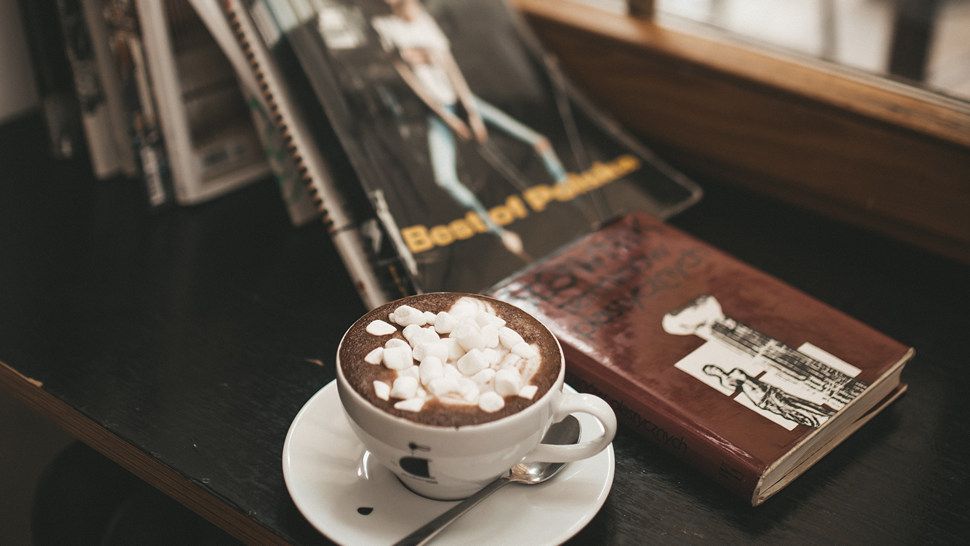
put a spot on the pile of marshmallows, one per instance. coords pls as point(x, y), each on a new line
point(463, 356)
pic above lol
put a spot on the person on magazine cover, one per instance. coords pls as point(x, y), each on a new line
point(427, 66)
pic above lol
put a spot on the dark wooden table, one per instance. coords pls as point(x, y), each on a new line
point(181, 345)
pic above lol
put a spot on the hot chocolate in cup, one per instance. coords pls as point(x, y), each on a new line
point(450, 390)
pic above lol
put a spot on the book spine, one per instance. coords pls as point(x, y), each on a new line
point(167, 97)
point(95, 120)
point(117, 122)
point(52, 74)
point(340, 224)
point(145, 137)
point(662, 425)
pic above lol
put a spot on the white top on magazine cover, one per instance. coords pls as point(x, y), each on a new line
point(421, 32)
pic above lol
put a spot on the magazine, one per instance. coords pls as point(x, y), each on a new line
point(475, 155)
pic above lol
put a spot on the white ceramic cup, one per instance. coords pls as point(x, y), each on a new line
point(449, 463)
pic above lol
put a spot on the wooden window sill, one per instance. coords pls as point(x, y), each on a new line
point(888, 156)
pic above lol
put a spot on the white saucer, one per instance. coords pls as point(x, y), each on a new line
point(333, 480)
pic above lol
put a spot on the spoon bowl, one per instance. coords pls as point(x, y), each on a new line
point(562, 433)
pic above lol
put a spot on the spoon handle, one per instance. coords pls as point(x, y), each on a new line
point(429, 530)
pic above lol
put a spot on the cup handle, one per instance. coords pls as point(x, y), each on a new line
point(577, 403)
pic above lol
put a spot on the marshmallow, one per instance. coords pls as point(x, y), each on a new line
point(507, 382)
point(412, 404)
point(451, 371)
point(465, 307)
point(410, 330)
point(492, 357)
point(397, 358)
point(487, 316)
point(463, 327)
point(430, 368)
point(438, 349)
point(444, 322)
point(374, 357)
point(509, 337)
point(441, 386)
point(453, 400)
point(472, 363)
point(380, 328)
point(404, 387)
point(528, 368)
point(424, 335)
point(382, 390)
point(419, 351)
point(525, 350)
point(490, 333)
point(469, 336)
point(454, 349)
point(468, 389)
point(483, 318)
point(427, 339)
point(405, 315)
point(484, 377)
point(490, 402)
point(511, 360)
point(479, 361)
point(528, 391)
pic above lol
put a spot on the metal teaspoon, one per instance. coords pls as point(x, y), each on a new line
point(561, 433)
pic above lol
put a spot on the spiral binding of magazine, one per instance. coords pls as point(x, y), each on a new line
point(301, 208)
point(342, 225)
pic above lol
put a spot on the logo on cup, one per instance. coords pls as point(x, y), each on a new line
point(416, 466)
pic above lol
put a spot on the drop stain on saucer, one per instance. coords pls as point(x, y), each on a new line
point(365, 510)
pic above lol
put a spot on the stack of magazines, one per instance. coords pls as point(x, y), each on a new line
point(443, 147)
point(148, 90)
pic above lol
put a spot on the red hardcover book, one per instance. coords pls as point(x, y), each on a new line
point(746, 378)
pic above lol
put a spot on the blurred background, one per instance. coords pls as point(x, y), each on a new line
point(922, 42)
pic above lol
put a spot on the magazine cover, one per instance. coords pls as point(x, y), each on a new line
point(475, 155)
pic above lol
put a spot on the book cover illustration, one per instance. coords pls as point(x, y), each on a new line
point(787, 386)
point(474, 152)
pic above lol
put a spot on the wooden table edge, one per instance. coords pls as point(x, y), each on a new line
point(161, 476)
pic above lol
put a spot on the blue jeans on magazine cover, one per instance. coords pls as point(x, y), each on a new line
point(443, 152)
